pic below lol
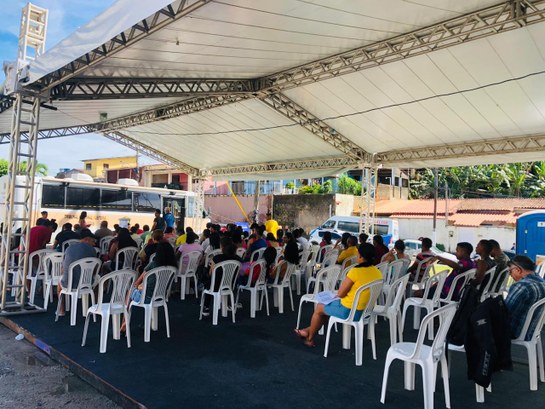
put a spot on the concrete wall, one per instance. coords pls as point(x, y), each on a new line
point(449, 236)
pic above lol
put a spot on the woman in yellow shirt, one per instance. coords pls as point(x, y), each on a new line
point(363, 273)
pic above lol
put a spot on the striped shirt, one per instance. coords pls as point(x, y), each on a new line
point(522, 295)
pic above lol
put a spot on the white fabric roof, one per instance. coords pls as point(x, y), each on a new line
point(391, 107)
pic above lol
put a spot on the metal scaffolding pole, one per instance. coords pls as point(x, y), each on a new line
point(369, 180)
point(19, 196)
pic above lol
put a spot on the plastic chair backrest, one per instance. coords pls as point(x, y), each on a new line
point(121, 282)
point(398, 268)
point(230, 269)
point(303, 260)
point(329, 277)
point(329, 260)
point(241, 251)
point(39, 256)
point(539, 320)
point(290, 269)
point(375, 288)
point(438, 280)
point(261, 263)
point(322, 252)
point(163, 278)
point(314, 254)
point(332, 252)
point(464, 278)
point(279, 251)
point(89, 267)
point(396, 293)
point(349, 262)
point(138, 241)
point(488, 279)
point(257, 254)
point(210, 255)
point(52, 265)
point(105, 244)
point(192, 260)
point(421, 277)
point(502, 280)
point(172, 241)
point(540, 269)
point(445, 314)
point(67, 243)
point(128, 255)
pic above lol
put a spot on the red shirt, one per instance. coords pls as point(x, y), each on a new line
point(39, 237)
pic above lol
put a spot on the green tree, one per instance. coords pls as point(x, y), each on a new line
point(348, 186)
point(41, 169)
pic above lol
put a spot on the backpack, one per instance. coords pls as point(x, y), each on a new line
point(469, 302)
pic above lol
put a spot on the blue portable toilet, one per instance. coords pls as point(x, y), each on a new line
point(531, 234)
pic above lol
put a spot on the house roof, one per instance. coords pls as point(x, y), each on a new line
point(478, 219)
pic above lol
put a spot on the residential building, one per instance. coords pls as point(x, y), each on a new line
point(97, 168)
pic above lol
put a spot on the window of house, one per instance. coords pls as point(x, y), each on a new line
point(105, 166)
point(88, 166)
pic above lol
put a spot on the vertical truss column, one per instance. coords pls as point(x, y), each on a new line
point(197, 187)
point(369, 180)
point(19, 196)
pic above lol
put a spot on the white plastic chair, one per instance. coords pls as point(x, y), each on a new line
point(500, 285)
point(189, 272)
point(158, 298)
point(230, 270)
point(36, 257)
point(533, 346)
point(327, 262)
point(349, 262)
point(52, 268)
point(300, 269)
point(105, 244)
point(395, 270)
point(326, 280)
point(68, 243)
point(241, 251)
point(416, 353)
point(257, 254)
point(489, 279)
point(138, 241)
point(129, 255)
point(119, 282)
point(374, 288)
point(279, 251)
point(322, 252)
point(392, 308)
point(172, 242)
point(209, 256)
point(279, 285)
point(429, 304)
point(259, 287)
point(89, 268)
point(420, 277)
point(459, 282)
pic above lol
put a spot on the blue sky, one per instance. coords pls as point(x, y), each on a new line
point(65, 16)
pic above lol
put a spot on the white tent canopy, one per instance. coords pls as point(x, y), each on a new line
point(270, 89)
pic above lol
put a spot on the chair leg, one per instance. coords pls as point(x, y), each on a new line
point(104, 332)
point(400, 327)
point(358, 344)
point(445, 375)
point(167, 321)
point(182, 287)
point(233, 307)
point(326, 347)
point(85, 327)
point(299, 313)
point(371, 336)
point(216, 309)
point(385, 378)
point(147, 323)
point(408, 368)
point(202, 305)
point(155, 318)
point(291, 297)
point(33, 288)
point(73, 312)
point(416, 317)
point(392, 321)
point(253, 302)
point(127, 327)
point(532, 365)
point(196, 287)
point(479, 393)
point(266, 294)
point(281, 300)
point(47, 292)
point(539, 347)
point(116, 326)
point(428, 378)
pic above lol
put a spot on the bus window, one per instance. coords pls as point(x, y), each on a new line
point(53, 196)
point(116, 200)
point(381, 229)
point(147, 202)
point(82, 198)
point(348, 226)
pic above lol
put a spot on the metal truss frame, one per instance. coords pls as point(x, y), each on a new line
point(137, 32)
point(150, 152)
point(87, 88)
point(519, 144)
point(503, 17)
point(290, 109)
point(283, 166)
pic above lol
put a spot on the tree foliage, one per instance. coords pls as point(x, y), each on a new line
point(512, 179)
point(41, 169)
point(348, 186)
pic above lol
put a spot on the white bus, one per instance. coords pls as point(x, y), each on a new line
point(65, 199)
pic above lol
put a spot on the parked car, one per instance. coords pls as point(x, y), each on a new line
point(413, 247)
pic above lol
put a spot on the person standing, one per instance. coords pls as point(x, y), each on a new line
point(169, 218)
point(158, 222)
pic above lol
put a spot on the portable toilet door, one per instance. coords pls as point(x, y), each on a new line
point(531, 234)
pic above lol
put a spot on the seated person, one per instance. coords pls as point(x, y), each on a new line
point(66, 234)
point(228, 252)
point(485, 262)
point(149, 249)
point(501, 260)
point(380, 248)
point(164, 256)
point(527, 289)
point(290, 254)
point(362, 238)
point(123, 240)
point(397, 253)
point(422, 259)
point(191, 244)
point(103, 231)
point(258, 243)
point(326, 239)
point(350, 251)
point(170, 233)
point(464, 263)
point(269, 255)
point(363, 273)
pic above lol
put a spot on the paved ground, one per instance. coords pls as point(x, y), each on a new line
point(29, 379)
